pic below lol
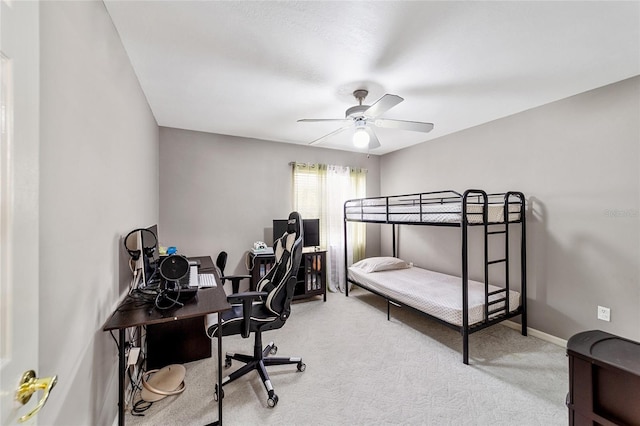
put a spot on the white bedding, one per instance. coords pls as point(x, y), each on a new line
point(431, 213)
point(431, 292)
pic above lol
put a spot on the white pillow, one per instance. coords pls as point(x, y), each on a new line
point(376, 264)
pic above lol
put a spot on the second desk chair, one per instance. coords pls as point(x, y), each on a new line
point(221, 262)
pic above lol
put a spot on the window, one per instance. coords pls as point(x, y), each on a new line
point(319, 191)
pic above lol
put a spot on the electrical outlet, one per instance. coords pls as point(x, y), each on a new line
point(604, 314)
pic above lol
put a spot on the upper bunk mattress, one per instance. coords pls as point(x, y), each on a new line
point(450, 212)
point(436, 294)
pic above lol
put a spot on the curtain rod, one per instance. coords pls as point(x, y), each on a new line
point(293, 163)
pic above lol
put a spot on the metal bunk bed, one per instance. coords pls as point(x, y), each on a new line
point(497, 214)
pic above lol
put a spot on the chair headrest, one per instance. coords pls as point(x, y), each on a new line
point(294, 224)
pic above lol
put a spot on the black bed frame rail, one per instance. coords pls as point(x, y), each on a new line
point(421, 199)
point(496, 306)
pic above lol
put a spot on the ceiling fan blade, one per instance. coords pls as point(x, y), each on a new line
point(317, 120)
point(373, 139)
point(327, 136)
point(382, 105)
point(415, 126)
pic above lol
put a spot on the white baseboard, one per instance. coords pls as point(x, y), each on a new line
point(537, 333)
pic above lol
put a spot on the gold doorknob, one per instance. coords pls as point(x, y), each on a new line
point(29, 384)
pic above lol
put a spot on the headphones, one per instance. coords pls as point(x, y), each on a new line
point(131, 243)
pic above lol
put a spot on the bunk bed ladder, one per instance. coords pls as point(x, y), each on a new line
point(502, 295)
point(500, 303)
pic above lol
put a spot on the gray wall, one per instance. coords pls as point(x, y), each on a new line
point(99, 179)
point(576, 160)
point(221, 193)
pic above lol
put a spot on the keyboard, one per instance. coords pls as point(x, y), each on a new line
point(206, 280)
point(195, 280)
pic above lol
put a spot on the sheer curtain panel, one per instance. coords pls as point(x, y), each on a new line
point(319, 191)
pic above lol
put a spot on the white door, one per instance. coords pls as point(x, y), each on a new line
point(19, 174)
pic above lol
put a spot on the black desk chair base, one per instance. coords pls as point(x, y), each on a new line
point(259, 362)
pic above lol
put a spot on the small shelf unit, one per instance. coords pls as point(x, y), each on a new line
point(311, 276)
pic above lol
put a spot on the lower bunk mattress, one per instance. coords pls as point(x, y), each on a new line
point(433, 293)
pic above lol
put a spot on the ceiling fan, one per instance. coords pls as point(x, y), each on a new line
point(362, 119)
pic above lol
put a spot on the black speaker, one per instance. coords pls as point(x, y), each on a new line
point(174, 267)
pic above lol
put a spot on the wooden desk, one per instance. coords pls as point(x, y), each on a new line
point(179, 342)
point(128, 314)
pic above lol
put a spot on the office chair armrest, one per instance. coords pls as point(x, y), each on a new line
point(245, 296)
point(235, 281)
point(236, 277)
point(247, 299)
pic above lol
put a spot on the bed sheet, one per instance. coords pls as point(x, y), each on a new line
point(434, 293)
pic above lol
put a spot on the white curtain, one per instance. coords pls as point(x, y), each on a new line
point(319, 191)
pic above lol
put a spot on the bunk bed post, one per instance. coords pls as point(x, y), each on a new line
point(465, 283)
point(485, 227)
point(464, 224)
point(346, 266)
point(507, 222)
point(523, 264)
point(393, 238)
point(465, 296)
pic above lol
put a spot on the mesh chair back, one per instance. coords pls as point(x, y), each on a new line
point(221, 261)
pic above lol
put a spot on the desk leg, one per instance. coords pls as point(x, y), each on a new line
point(220, 370)
point(121, 372)
point(220, 398)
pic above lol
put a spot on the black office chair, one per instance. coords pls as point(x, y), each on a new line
point(221, 262)
point(267, 308)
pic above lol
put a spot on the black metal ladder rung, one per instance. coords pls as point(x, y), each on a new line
point(501, 310)
point(502, 290)
point(491, 262)
point(496, 232)
point(493, 302)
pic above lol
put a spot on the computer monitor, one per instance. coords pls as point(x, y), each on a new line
point(279, 228)
point(310, 229)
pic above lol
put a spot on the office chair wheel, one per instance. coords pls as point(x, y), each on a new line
point(218, 394)
point(302, 366)
point(227, 362)
point(274, 350)
point(272, 401)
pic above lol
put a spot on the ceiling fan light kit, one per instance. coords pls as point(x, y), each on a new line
point(364, 117)
point(360, 136)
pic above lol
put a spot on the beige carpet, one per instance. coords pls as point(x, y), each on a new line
point(364, 370)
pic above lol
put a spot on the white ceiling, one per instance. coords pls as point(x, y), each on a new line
point(252, 69)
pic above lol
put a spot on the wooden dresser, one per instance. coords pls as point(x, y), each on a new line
point(604, 380)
